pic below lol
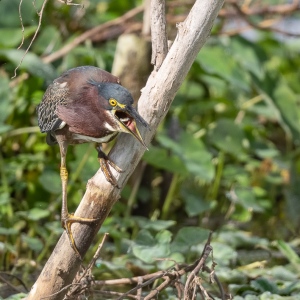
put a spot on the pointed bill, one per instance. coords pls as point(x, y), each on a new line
point(127, 120)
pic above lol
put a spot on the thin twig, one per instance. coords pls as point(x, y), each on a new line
point(140, 290)
point(34, 37)
point(9, 284)
point(216, 279)
point(206, 251)
point(84, 280)
point(97, 253)
point(157, 290)
point(111, 293)
point(36, 9)
point(63, 289)
point(146, 283)
point(22, 25)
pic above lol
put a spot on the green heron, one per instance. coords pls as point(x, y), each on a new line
point(86, 104)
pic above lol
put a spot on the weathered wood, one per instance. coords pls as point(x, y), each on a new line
point(154, 103)
point(158, 33)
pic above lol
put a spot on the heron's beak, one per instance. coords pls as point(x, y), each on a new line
point(127, 118)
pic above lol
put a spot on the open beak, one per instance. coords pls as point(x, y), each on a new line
point(127, 118)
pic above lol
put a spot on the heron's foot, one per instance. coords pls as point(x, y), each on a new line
point(105, 162)
point(66, 223)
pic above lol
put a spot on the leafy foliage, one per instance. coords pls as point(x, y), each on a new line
point(225, 159)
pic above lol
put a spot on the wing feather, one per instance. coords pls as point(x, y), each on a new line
point(56, 94)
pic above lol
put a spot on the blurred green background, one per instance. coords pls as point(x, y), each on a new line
point(226, 158)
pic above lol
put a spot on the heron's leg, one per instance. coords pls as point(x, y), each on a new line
point(104, 165)
point(68, 219)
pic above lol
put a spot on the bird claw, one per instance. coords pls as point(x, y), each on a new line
point(104, 162)
point(119, 170)
point(66, 222)
point(106, 171)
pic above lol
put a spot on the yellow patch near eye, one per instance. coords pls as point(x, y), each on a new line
point(121, 105)
point(113, 102)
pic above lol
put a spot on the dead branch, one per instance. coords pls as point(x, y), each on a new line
point(265, 24)
point(83, 281)
point(158, 33)
point(258, 9)
point(171, 277)
point(154, 103)
point(188, 285)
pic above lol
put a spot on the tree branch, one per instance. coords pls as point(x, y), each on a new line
point(100, 196)
point(158, 33)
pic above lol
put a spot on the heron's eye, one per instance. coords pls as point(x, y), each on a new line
point(113, 102)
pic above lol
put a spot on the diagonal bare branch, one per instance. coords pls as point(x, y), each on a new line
point(154, 104)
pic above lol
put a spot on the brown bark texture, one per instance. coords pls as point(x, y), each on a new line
point(153, 105)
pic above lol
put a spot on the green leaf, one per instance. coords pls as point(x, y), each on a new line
point(12, 37)
point(248, 55)
point(8, 231)
point(269, 296)
point(36, 214)
point(156, 225)
point(5, 104)
point(172, 259)
point(195, 204)
point(282, 273)
point(148, 249)
point(228, 136)
point(51, 181)
point(48, 41)
point(242, 214)
point(18, 296)
point(246, 197)
point(145, 238)
point(161, 159)
point(224, 254)
point(33, 243)
point(4, 199)
point(287, 103)
point(226, 67)
point(264, 285)
point(283, 100)
point(197, 160)
point(164, 237)
point(150, 255)
point(188, 237)
point(32, 63)
point(288, 252)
